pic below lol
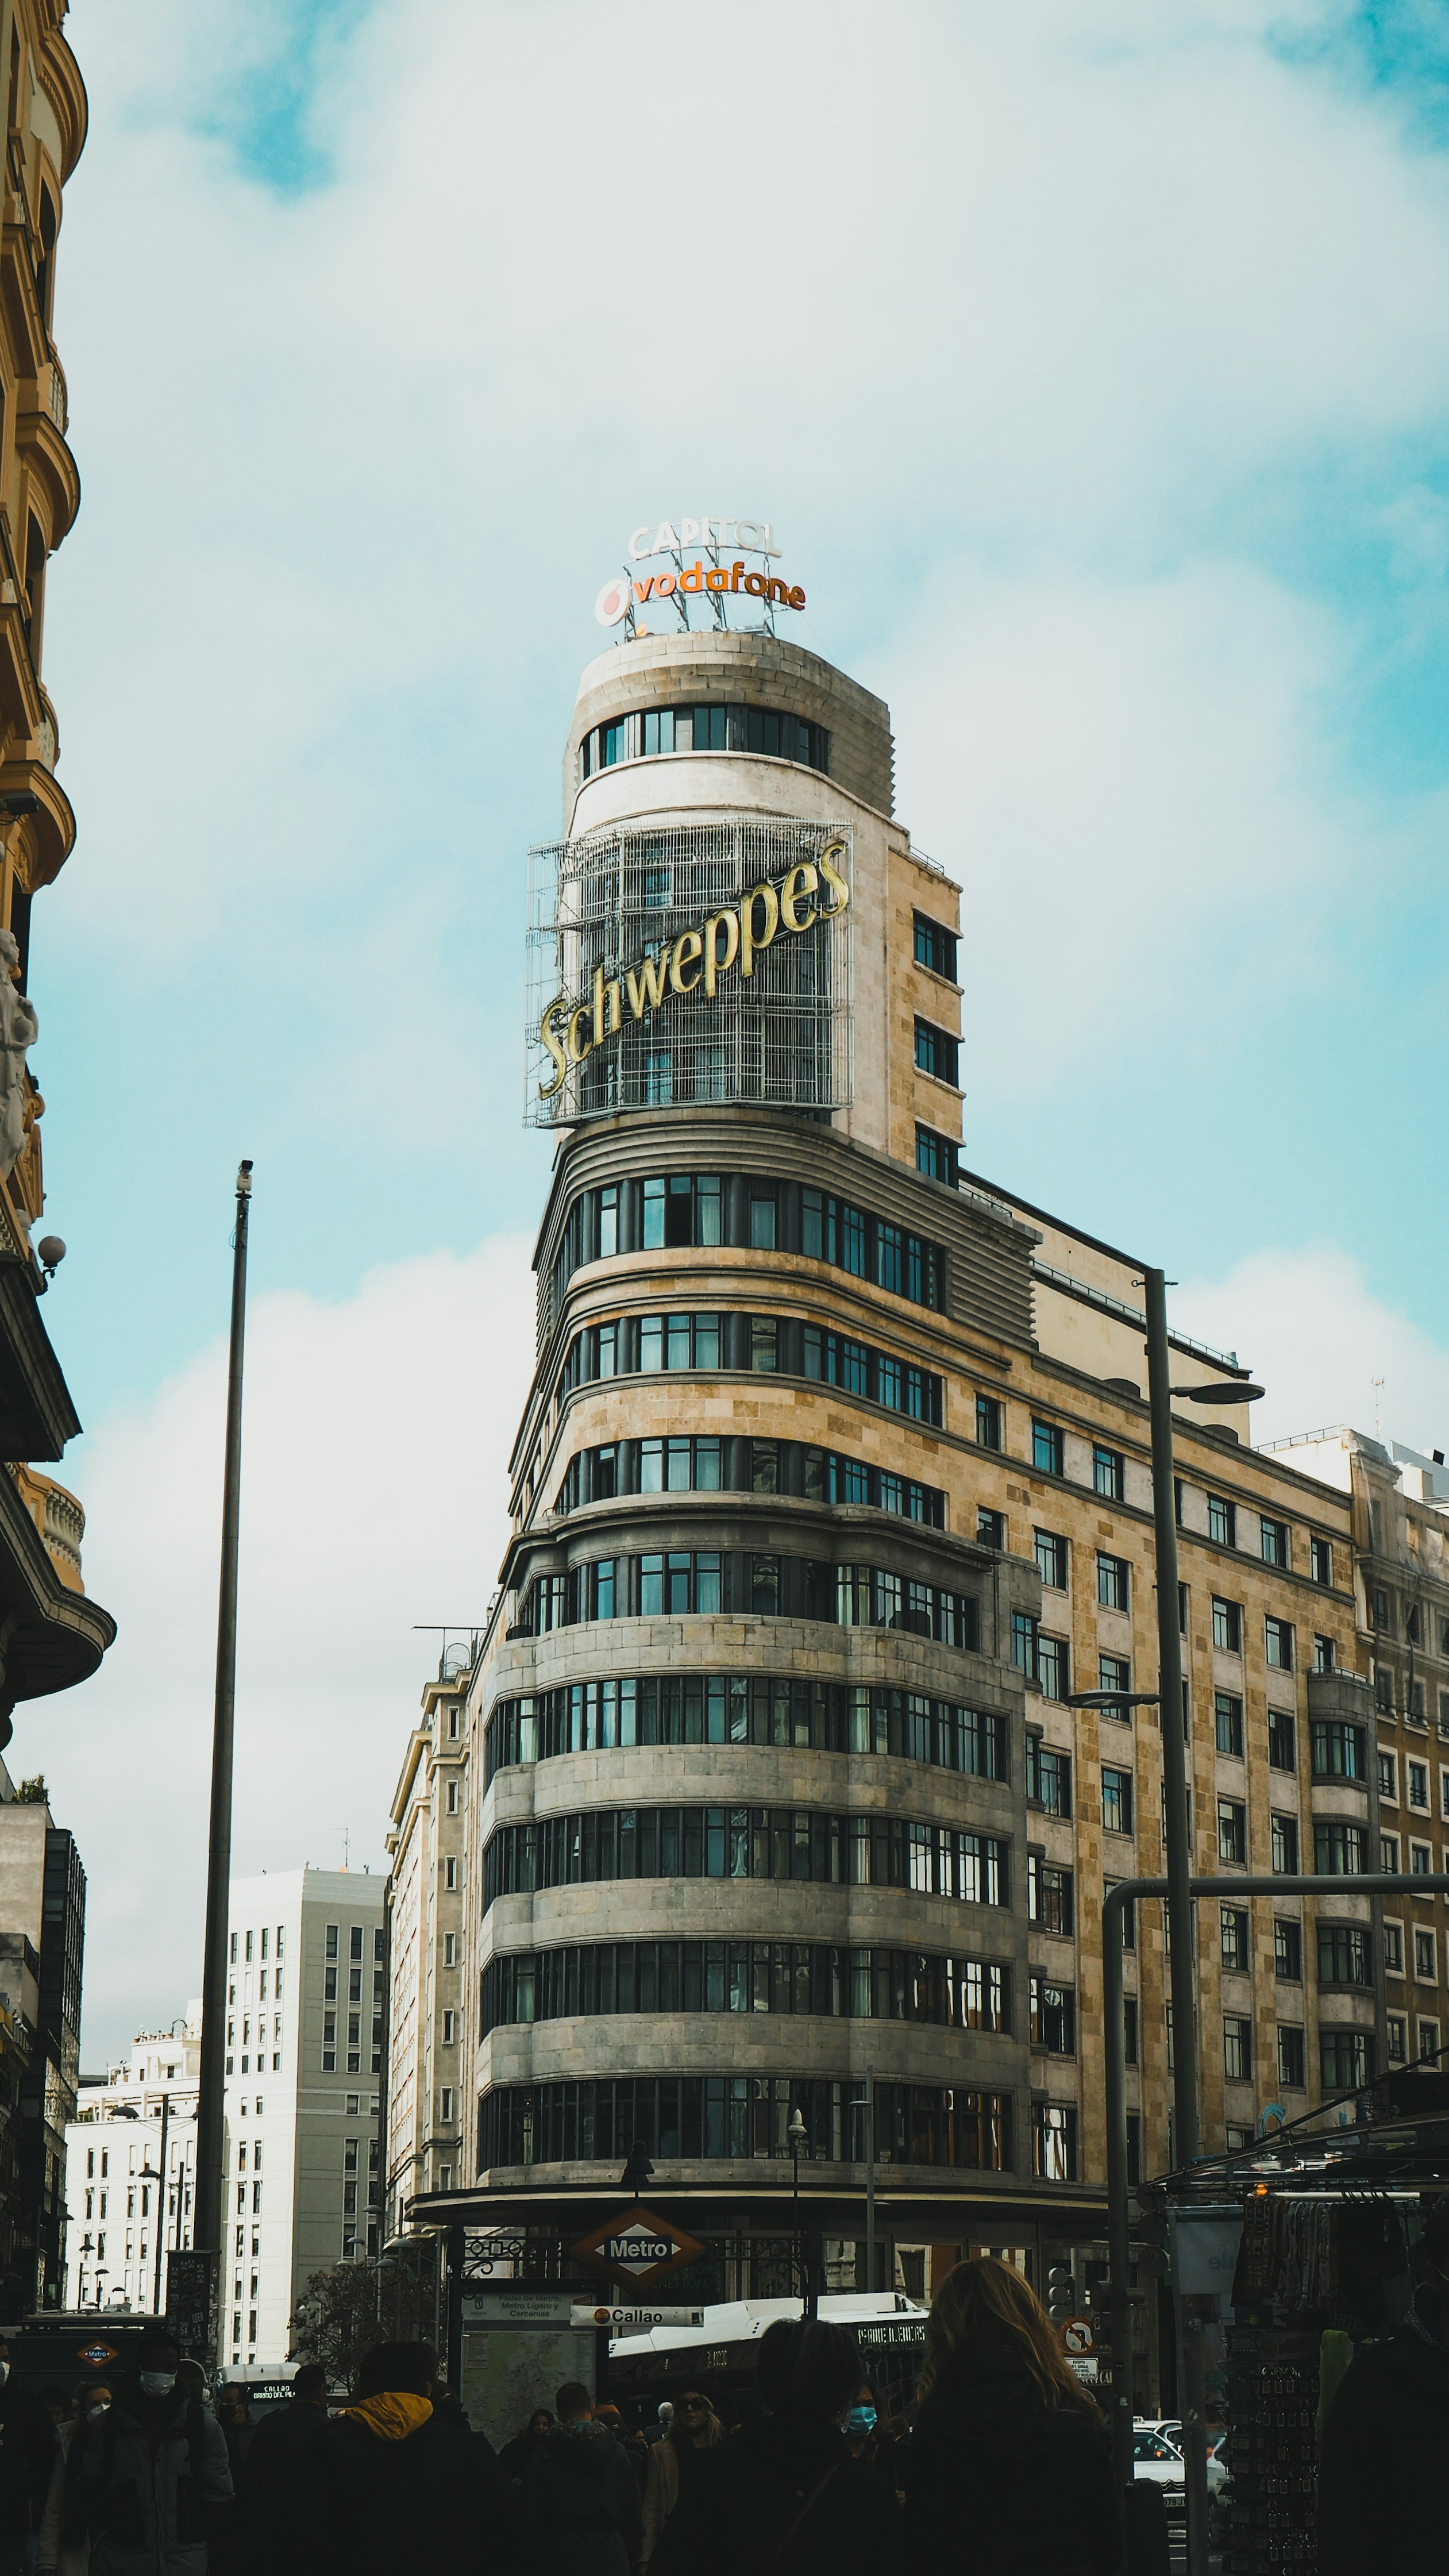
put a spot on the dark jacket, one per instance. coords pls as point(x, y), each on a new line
point(152, 2513)
point(28, 2453)
point(386, 2487)
point(998, 2483)
point(1381, 2486)
point(267, 2491)
point(581, 2505)
point(744, 2496)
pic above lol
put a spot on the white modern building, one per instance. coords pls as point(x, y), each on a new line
point(305, 2010)
point(130, 2167)
point(428, 1851)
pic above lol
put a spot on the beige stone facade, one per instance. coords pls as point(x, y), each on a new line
point(833, 1481)
point(427, 1854)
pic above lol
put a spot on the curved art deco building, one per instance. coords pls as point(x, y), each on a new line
point(832, 1489)
point(749, 1752)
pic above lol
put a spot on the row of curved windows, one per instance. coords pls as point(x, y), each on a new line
point(767, 1345)
point(744, 1708)
point(706, 1463)
point(702, 1582)
point(746, 1977)
point(746, 1211)
point(691, 2117)
point(647, 732)
point(794, 1843)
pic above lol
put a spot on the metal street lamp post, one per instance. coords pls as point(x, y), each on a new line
point(795, 2134)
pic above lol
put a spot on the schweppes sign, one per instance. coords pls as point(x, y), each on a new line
point(726, 943)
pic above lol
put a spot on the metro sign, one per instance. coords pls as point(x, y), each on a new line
point(640, 2243)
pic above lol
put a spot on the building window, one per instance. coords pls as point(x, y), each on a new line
point(450, 1949)
point(1237, 2048)
point(1281, 1753)
point(1227, 1627)
point(1274, 1540)
point(450, 2023)
point(1052, 1666)
point(1345, 1956)
point(452, 1797)
point(1054, 2141)
point(937, 1052)
point(1393, 1949)
point(1235, 1949)
point(1347, 2059)
point(1113, 1582)
point(1109, 1473)
point(1114, 1673)
point(1283, 1845)
point(1116, 1800)
point(1425, 1958)
point(1384, 1689)
point(1427, 2039)
point(937, 1157)
point(1389, 1777)
point(1278, 1637)
point(1389, 1855)
point(1288, 1950)
point(1048, 1894)
point(1051, 1559)
point(1024, 1643)
point(1228, 1722)
point(1046, 1448)
point(990, 1528)
point(1232, 1830)
point(1291, 2067)
point(988, 1422)
point(445, 2104)
point(1053, 2017)
point(934, 947)
point(1323, 1654)
point(1417, 1776)
point(1338, 1849)
point(1339, 1751)
point(1396, 2035)
point(1222, 1521)
point(1320, 1556)
point(450, 1873)
point(1048, 1776)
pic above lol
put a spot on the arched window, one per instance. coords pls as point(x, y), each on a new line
point(34, 584)
point(45, 265)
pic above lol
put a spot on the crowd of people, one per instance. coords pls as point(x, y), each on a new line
point(1005, 2469)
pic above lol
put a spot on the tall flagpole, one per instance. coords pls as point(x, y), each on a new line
point(211, 2105)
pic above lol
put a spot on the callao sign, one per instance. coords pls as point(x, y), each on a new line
point(639, 2243)
point(711, 576)
point(732, 937)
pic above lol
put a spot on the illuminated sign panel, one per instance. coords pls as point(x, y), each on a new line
point(698, 962)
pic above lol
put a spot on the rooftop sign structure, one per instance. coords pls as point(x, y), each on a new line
point(725, 564)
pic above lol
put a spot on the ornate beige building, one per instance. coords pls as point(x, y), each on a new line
point(832, 1484)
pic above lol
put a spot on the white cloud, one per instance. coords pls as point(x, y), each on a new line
point(1307, 1324)
point(374, 1495)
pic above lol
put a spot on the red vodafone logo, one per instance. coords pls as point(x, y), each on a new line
point(612, 604)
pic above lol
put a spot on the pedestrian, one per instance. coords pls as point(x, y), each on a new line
point(696, 2428)
point(388, 2485)
point(860, 2428)
point(152, 2476)
point(29, 2450)
point(514, 2457)
point(783, 2494)
point(1009, 2465)
point(55, 2555)
point(267, 2493)
point(1381, 2480)
point(233, 2410)
point(580, 2501)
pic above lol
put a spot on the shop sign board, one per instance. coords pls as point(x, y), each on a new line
point(638, 2320)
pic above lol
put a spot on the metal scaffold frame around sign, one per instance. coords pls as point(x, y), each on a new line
point(616, 900)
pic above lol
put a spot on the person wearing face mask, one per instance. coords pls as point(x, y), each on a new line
point(860, 2433)
point(783, 2496)
point(63, 2547)
point(153, 2479)
point(28, 2454)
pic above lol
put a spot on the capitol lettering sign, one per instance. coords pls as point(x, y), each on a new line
point(640, 2244)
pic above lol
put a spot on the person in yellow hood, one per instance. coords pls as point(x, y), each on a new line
point(389, 2486)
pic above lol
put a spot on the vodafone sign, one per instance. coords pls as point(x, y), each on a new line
point(711, 576)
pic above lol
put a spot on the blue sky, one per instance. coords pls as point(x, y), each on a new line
point(1090, 358)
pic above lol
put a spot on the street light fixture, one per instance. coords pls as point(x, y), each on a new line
point(637, 2171)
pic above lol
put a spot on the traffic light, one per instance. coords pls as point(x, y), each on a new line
point(1063, 2299)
